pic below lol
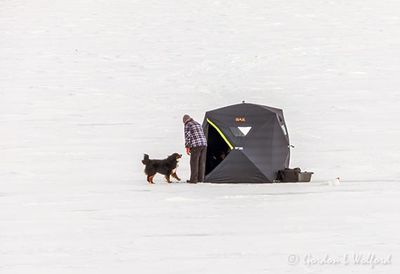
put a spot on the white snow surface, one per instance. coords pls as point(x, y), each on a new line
point(88, 86)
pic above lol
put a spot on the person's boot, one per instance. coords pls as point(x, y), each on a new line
point(190, 182)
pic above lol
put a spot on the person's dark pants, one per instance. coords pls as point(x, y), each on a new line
point(197, 164)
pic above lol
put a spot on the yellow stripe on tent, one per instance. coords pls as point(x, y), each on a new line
point(220, 133)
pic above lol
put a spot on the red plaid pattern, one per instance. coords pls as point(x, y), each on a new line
point(194, 135)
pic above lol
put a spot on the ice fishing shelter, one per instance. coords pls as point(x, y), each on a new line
point(247, 143)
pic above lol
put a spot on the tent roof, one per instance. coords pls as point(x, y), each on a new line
point(245, 106)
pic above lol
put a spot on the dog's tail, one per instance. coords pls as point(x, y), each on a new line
point(146, 159)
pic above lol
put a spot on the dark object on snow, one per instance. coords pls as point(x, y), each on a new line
point(294, 175)
point(247, 143)
point(166, 167)
point(305, 176)
point(289, 175)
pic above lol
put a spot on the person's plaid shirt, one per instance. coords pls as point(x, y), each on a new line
point(194, 135)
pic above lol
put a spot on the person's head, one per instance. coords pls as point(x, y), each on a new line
point(186, 118)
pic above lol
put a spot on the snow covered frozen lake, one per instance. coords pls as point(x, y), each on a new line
point(125, 227)
point(87, 87)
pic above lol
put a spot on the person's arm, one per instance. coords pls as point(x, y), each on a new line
point(187, 139)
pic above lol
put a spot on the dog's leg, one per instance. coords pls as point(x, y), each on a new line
point(150, 179)
point(168, 179)
point(175, 176)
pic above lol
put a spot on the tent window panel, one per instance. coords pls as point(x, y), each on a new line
point(284, 129)
point(282, 123)
point(240, 131)
point(280, 119)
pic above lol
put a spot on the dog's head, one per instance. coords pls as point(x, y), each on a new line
point(176, 156)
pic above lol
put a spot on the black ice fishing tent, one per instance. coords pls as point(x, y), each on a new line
point(247, 143)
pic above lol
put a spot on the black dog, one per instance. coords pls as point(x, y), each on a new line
point(166, 167)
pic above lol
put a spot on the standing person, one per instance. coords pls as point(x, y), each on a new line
point(196, 147)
